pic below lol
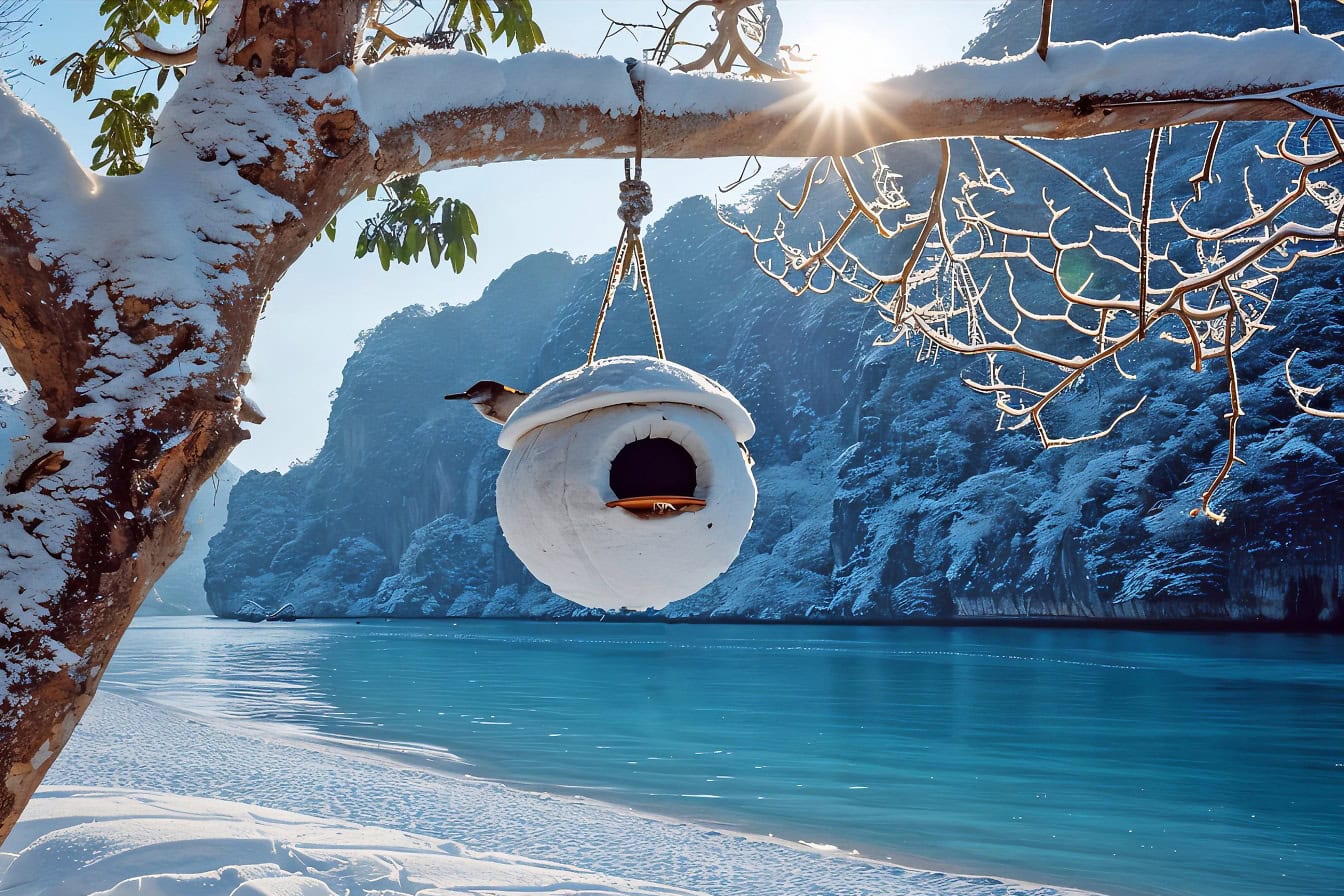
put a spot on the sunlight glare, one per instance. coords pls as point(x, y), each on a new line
point(842, 64)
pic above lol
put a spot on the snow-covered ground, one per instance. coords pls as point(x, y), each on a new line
point(113, 841)
point(136, 804)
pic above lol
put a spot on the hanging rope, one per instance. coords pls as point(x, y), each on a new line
point(636, 205)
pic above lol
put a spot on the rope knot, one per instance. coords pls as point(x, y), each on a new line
point(636, 202)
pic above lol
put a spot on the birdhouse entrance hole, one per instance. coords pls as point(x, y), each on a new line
point(654, 476)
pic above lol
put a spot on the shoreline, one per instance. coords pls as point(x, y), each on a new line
point(1126, 624)
point(113, 721)
point(437, 761)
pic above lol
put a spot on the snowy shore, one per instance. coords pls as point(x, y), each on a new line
point(115, 841)
point(367, 825)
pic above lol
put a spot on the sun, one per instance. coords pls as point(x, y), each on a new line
point(842, 65)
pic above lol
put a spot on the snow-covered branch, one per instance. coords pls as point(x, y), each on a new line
point(129, 303)
point(40, 180)
point(442, 110)
point(36, 163)
point(142, 46)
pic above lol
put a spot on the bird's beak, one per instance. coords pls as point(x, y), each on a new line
point(456, 397)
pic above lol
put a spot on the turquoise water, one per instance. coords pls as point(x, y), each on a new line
point(1125, 762)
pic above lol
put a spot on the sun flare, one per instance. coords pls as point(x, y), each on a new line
point(842, 65)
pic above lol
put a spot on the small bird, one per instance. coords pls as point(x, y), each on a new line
point(495, 401)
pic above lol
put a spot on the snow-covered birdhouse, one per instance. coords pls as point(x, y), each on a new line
point(627, 483)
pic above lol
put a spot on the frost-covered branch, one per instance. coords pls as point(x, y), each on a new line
point(1067, 279)
point(1302, 395)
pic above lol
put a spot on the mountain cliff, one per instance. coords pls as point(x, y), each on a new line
point(886, 490)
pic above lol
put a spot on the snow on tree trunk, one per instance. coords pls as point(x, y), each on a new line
point(130, 306)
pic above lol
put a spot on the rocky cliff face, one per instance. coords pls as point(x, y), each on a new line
point(886, 490)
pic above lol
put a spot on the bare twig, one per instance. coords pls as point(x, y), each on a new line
point(1043, 42)
point(1233, 415)
point(16, 18)
point(1303, 394)
point(737, 38)
point(1205, 174)
point(1204, 285)
point(1145, 224)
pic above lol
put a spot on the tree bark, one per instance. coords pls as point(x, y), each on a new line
point(94, 503)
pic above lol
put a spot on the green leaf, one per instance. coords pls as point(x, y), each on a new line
point(84, 78)
point(127, 122)
point(457, 256)
point(455, 20)
point(64, 62)
point(404, 187)
point(435, 248)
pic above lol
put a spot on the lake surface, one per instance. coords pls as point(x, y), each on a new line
point(1129, 763)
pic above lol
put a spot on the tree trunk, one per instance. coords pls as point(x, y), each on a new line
point(93, 508)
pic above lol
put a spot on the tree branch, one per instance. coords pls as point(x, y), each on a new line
point(145, 292)
point(142, 46)
point(551, 105)
point(40, 182)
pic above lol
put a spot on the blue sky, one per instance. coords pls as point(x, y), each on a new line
point(328, 297)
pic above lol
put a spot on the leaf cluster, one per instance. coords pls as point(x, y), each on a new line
point(413, 222)
point(510, 19)
point(127, 122)
point(123, 21)
point(465, 20)
point(127, 114)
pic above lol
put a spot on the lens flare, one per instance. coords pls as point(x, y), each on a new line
point(842, 64)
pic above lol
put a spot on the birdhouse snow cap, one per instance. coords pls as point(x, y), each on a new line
point(624, 379)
